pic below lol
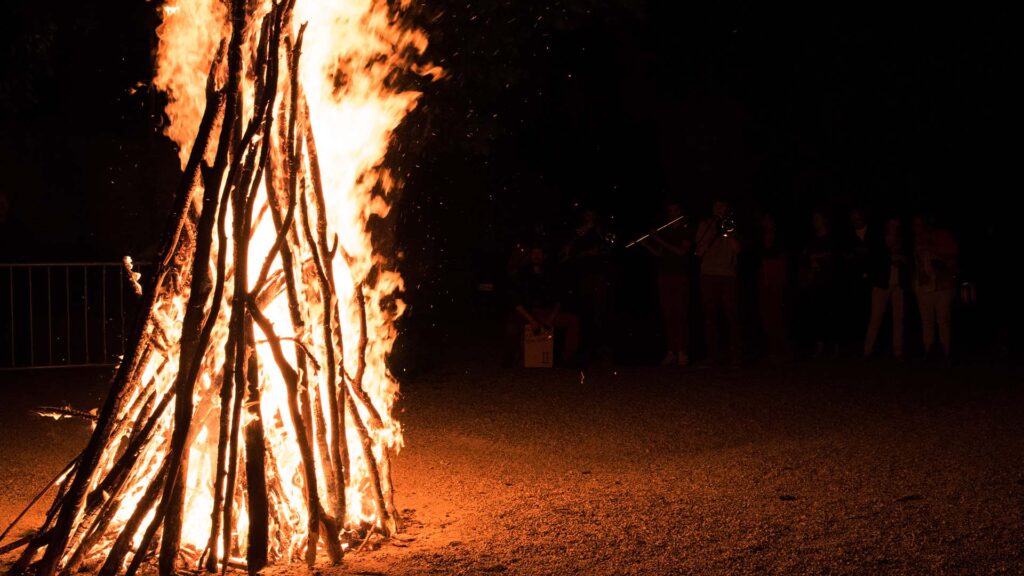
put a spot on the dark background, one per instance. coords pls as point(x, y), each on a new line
point(616, 104)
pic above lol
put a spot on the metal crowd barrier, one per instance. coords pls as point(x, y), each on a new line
point(65, 314)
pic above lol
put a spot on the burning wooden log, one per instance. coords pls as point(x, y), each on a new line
point(252, 417)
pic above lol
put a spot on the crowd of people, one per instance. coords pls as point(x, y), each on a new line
point(849, 277)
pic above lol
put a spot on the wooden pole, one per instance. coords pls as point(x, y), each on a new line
point(135, 424)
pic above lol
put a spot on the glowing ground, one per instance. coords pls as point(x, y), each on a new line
point(835, 468)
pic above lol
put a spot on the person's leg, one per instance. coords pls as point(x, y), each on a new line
point(709, 298)
point(513, 348)
point(944, 318)
point(863, 307)
point(671, 296)
point(773, 319)
point(786, 320)
point(683, 350)
point(764, 310)
point(600, 311)
point(926, 304)
point(540, 314)
point(896, 296)
point(879, 298)
point(593, 303)
point(818, 319)
point(829, 319)
point(665, 300)
point(848, 304)
point(570, 323)
point(730, 305)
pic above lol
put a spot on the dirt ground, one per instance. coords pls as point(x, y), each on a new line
point(817, 468)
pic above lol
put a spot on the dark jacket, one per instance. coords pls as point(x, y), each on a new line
point(880, 258)
point(857, 254)
point(532, 289)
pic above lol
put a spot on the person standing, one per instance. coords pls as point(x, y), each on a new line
point(935, 254)
point(820, 285)
point(889, 275)
point(856, 283)
point(673, 248)
point(772, 291)
point(585, 256)
point(718, 248)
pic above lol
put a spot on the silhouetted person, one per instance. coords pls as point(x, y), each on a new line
point(856, 283)
point(935, 260)
point(673, 248)
point(585, 256)
point(888, 271)
point(820, 268)
point(772, 294)
point(538, 295)
point(718, 248)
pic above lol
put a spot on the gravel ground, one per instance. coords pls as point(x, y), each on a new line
point(33, 450)
point(816, 468)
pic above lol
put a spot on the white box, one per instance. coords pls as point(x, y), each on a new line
point(538, 349)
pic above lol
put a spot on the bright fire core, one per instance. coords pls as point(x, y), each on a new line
point(348, 109)
point(350, 48)
point(356, 42)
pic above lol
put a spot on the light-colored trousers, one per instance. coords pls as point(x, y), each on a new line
point(881, 298)
point(936, 310)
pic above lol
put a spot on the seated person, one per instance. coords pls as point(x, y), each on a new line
point(537, 298)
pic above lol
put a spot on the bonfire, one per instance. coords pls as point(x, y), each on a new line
point(251, 420)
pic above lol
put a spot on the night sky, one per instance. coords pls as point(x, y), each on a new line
point(616, 104)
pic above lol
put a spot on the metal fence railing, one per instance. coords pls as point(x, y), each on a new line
point(64, 314)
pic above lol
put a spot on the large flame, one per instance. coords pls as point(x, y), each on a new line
point(350, 53)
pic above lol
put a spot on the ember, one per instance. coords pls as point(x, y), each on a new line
point(251, 421)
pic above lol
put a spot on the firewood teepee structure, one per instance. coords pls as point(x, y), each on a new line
point(251, 420)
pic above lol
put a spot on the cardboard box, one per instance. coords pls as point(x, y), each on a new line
point(538, 349)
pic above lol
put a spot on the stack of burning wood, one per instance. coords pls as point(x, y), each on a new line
point(239, 429)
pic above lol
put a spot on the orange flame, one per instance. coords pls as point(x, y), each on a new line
point(350, 51)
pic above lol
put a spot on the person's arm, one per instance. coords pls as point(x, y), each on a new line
point(679, 250)
point(734, 243)
point(704, 237)
point(646, 243)
point(528, 317)
point(554, 314)
point(518, 295)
